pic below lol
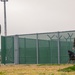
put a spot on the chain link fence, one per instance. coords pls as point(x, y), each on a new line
point(37, 48)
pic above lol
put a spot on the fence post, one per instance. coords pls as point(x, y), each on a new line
point(37, 47)
point(16, 50)
point(58, 49)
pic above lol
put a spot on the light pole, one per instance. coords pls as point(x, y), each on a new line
point(0, 28)
point(5, 24)
point(5, 28)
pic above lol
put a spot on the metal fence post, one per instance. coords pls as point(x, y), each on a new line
point(16, 50)
point(37, 47)
point(58, 49)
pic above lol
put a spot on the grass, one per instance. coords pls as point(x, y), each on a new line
point(49, 64)
point(2, 73)
point(34, 69)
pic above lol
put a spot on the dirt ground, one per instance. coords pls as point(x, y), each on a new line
point(33, 69)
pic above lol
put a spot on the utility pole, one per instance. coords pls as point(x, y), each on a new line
point(0, 28)
point(5, 24)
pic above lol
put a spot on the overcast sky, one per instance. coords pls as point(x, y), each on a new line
point(35, 16)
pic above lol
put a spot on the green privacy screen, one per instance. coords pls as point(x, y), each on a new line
point(39, 48)
point(27, 51)
point(48, 51)
point(66, 43)
point(3, 49)
point(7, 49)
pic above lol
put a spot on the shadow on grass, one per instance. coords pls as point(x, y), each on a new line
point(68, 69)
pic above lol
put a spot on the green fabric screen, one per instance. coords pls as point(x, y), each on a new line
point(7, 49)
point(27, 52)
